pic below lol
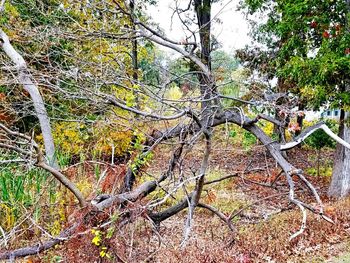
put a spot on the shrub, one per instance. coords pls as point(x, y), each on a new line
point(77, 139)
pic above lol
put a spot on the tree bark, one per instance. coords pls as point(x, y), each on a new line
point(340, 184)
point(130, 177)
point(134, 42)
point(24, 78)
point(300, 118)
point(207, 87)
point(318, 161)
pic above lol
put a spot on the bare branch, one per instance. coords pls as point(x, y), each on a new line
point(219, 214)
point(198, 190)
point(114, 102)
point(161, 41)
point(65, 181)
point(2, 6)
point(36, 249)
point(222, 178)
point(310, 130)
point(303, 223)
point(26, 80)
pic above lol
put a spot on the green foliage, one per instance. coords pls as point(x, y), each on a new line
point(308, 45)
point(323, 171)
point(56, 259)
point(240, 137)
point(234, 84)
point(45, 13)
point(248, 140)
point(232, 133)
point(141, 160)
point(21, 190)
point(17, 186)
point(181, 67)
point(223, 64)
point(149, 64)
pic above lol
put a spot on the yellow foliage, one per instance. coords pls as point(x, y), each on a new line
point(75, 138)
point(58, 213)
point(308, 123)
point(69, 136)
point(55, 228)
point(97, 239)
point(268, 128)
point(174, 93)
point(107, 139)
point(84, 187)
point(11, 10)
point(103, 253)
point(7, 217)
point(308, 92)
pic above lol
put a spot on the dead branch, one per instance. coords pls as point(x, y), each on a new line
point(211, 115)
point(36, 249)
point(25, 79)
point(198, 189)
point(144, 189)
point(310, 130)
point(157, 218)
point(222, 178)
point(303, 223)
point(140, 192)
point(163, 42)
point(219, 214)
point(65, 181)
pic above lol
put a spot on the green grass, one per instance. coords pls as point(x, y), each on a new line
point(25, 189)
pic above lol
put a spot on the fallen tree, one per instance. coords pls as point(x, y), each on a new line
point(274, 148)
point(194, 124)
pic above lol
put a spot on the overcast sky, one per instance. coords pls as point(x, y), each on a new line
point(232, 33)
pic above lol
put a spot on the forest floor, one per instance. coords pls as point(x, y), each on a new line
point(264, 219)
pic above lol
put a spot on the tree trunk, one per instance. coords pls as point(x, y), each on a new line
point(280, 132)
point(203, 12)
point(318, 161)
point(300, 118)
point(135, 76)
point(340, 184)
point(24, 78)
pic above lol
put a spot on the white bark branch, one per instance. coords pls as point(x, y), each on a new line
point(2, 5)
point(310, 131)
point(25, 79)
point(303, 223)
